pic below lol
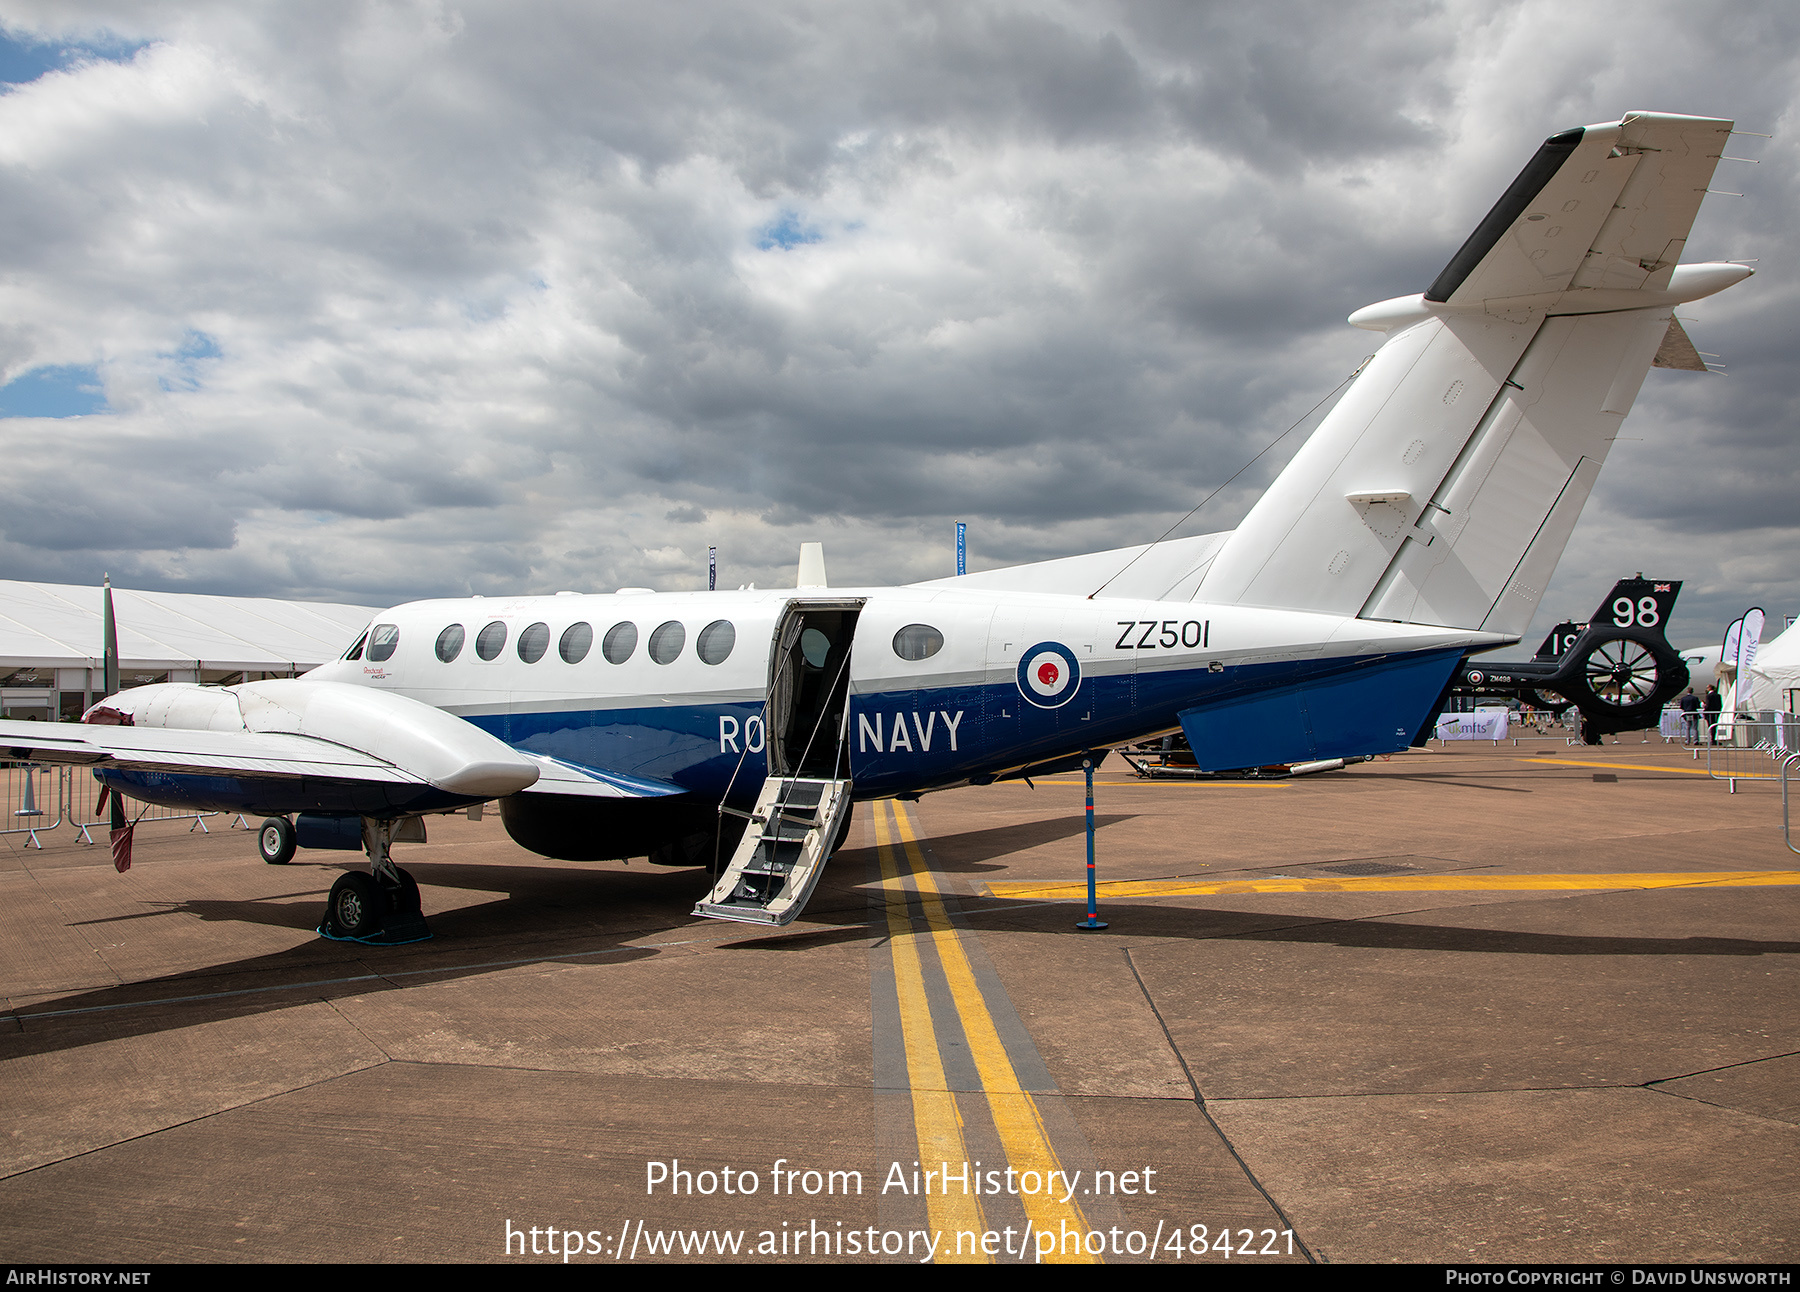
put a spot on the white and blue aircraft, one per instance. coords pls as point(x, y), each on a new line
point(1418, 525)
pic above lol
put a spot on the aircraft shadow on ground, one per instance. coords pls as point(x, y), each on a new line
point(538, 914)
point(1376, 932)
point(967, 851)
point(556, 913)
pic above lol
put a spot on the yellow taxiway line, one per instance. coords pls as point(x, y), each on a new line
point(1016, 1117)
point(1623, 767)
point(1394, 884)
point(1159, 781)
point(935, 1117)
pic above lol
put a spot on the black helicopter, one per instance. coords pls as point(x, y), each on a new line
point(1618, 669)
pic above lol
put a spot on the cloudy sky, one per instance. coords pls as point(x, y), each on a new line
point(372, 301)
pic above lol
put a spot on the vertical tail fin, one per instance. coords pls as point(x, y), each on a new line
point(1443, 487)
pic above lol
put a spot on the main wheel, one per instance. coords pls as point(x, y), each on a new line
point(275, 841)
point(355, 907)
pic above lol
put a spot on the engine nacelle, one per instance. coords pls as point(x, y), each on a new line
point(437, 747)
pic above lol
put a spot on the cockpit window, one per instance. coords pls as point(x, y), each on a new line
point(918, 641)
point(716, 641)
point(355, 652)
point(490, 639)
point(450, 643)
point(533, 642)
point(666, 642)
point(620, 641)
point(577, 640)
point(384, 639)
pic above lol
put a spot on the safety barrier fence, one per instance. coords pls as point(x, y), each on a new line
point(1787, 832)
point(1751, 751)
point(32, 800)
point(37, 799)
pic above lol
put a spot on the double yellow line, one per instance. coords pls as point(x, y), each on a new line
point(936, 1116)
point(1466, 883)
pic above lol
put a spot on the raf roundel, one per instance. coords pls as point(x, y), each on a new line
point(1049, 675)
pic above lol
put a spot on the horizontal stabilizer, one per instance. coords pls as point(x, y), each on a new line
point(1605, 207)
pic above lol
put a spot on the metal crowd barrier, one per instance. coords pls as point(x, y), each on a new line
point(1787, 833)
point(36, 799)
point(1751, 751)
point(29, 795)
point(134, 810)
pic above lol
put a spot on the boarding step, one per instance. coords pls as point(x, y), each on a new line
point(783, 851)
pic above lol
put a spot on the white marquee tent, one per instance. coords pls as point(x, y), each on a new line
point(1775, 676)
point(50, 641)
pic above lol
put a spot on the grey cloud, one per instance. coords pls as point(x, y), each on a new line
point(491, 311)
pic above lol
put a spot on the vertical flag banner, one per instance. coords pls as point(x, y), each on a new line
point(712, 569)
point(1748, 640)
point(962, 547)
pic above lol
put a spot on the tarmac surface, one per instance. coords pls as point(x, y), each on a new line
point(1526, 1003)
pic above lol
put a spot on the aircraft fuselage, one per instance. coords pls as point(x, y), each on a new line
point(1019, 679)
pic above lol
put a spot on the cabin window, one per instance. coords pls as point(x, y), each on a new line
point(666, 642)
point(384, 639)
point(716, 641)
point(450, 643)
point(533, 642)
point(490, 639)
point(577, 641)
point(619, 642)
point(355, 652)
point(918, 641)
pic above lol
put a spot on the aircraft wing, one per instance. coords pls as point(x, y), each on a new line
point(201, 753)
point(1600, 207)
point(280, 746)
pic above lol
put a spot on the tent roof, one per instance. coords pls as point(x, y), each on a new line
point(55, 625)
point(1780, 659)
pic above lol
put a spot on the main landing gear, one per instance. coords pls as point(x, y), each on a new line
point(380, 908)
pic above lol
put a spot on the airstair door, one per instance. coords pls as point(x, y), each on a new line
point(805, 802)
point(793, 829)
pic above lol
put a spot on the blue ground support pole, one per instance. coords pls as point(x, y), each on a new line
point(1093, 920)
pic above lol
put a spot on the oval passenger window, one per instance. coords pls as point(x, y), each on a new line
point(490, 639)
point(533, 642)
point(577, 641)
point(619, 642)
point(666, 642)
point(716, 641)
point(918, 641)
point(450, 643)
point(383, 639)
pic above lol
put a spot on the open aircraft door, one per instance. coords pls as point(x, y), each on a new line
point(804, 804)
